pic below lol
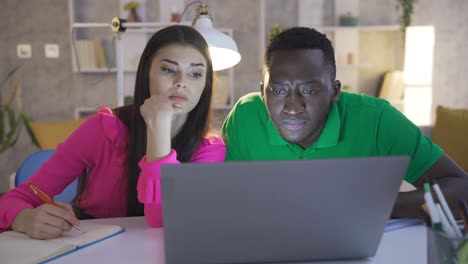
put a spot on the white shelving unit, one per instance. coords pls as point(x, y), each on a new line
point(347, 51)
point(345, 39)
point(134, 41)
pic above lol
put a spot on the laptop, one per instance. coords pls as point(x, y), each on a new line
point(278, 211)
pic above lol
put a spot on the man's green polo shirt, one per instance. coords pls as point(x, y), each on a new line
point(357, 126)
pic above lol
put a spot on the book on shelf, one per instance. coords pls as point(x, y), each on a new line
point(84, 52)
point(100, 57)
point(93, 54)
point(108, 48)
point(17, 247)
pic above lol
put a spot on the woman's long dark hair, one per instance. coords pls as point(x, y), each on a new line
point(194, 129)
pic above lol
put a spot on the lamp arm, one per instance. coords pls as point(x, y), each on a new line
point(186, 7)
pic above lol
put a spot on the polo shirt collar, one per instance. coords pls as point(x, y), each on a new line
point(331, 131)
point(328, 138)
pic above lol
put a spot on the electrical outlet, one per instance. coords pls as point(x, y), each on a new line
point(24, 51)
point(51, 51)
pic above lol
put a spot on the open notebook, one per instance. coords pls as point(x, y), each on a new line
point(19, 248)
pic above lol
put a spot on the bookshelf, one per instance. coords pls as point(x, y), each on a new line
point(93, 50)
point(349, 60)
point(355, 59)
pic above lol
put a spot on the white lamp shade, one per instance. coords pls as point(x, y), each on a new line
point(223, 49)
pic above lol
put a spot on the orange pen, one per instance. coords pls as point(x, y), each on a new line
point(45, 198)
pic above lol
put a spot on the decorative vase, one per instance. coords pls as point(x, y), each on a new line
point(348, 19)
point(133, 16)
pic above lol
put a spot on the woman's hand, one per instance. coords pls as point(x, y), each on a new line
point(46, 221)
point(157, 111)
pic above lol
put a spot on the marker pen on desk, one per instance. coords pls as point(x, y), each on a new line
point(446, 208)
point(45, 198)
point(435, 218)
point(448, 230)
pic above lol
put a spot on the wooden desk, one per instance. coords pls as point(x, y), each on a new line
point(141, 244)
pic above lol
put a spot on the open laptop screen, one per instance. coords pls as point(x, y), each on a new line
point(267, 211)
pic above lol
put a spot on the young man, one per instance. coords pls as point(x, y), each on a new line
point(301, 114)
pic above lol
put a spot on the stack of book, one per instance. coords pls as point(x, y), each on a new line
point(94, 54)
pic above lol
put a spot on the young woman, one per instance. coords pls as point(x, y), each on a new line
point(120, 151)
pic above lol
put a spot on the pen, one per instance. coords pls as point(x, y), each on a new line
point(45, 198)
point(435, 218)
point(446, 208)
point(448, 230)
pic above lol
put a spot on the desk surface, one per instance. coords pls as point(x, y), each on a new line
point(142, 244)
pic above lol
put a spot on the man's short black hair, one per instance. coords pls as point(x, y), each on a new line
point(303, 38)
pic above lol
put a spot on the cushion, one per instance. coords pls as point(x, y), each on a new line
point(50, 134)
point(451, 133)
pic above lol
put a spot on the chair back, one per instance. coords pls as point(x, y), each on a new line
point(32, 163)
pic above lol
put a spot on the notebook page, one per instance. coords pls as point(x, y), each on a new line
point(89, 233)
point(19, 248)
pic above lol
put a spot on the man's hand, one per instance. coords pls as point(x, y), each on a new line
point(453, 182)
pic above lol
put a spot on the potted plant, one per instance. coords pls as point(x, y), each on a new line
point(406, 7)
point(10, 122)
point(131, 7)
point(276, 30)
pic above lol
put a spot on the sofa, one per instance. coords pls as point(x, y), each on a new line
point(50, 134)
point(450, 132)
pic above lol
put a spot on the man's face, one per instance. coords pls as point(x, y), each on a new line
point(298, 92)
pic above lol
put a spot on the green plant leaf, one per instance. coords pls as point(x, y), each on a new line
point(13, 133)
point(2, 126)
point(11, 118)
point(276, 30)
point(131, 5)
point(4, 146)
point(10, 124)
point(9, 74)
point(15, 136)
point(406, 7)
point(1, 100)
point(27, 124)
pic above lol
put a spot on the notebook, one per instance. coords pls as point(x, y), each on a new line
point(278, 211)
point(19, 248)
point(395, 224)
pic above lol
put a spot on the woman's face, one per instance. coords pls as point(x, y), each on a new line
point(178, 71)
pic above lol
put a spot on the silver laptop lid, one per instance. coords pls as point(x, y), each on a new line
point(273, 211)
